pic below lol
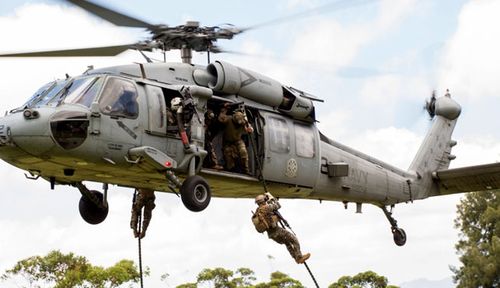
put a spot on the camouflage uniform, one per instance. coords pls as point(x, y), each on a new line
point(210, 133)
point(145, 198)
point(277, 233)
point(234, 146)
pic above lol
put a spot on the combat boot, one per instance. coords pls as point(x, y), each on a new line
point(303, 259)
point(217, 167)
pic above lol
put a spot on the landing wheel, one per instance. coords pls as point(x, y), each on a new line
point(399, 236)
point(90, 212)
point(195, 193)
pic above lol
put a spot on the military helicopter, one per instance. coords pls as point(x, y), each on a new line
point(111, 125)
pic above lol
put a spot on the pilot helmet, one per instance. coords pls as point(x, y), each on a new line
point(176, 103)
point(239, 118)
point(260, 199)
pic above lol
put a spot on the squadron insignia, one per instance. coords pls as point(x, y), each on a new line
point(291, 168)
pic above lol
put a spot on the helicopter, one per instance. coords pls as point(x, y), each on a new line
point(71, 131)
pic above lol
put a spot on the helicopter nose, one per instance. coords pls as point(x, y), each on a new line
point(28, 130)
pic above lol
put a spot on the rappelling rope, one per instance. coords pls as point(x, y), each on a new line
point(140, 252)
point(139, 240)
point(312, 276)
point(263, 180)
point(257, 159)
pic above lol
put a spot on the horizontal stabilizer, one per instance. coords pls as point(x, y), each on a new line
point(468, 179)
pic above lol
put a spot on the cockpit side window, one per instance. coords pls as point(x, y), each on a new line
point(119, 99)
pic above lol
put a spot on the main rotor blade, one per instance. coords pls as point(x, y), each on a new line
point(110, 15)
point(83, 52)
point(333, 6)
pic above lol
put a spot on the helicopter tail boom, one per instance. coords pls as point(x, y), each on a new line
point(435, 152)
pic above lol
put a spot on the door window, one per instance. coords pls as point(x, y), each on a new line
point(304, 141)
point(279, 136)
point(119, 99)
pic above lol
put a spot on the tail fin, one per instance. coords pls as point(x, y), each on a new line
point(434, 153)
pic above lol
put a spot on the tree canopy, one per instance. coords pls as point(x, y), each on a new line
point(368, 279)
point(61, 270)
point(242, 278)
point(479, 244)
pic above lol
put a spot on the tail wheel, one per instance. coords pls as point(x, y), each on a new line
point(195, 193)
point(399, 236)
point(90, 212)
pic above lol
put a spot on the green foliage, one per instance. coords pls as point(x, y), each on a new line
point(242, 278)
point(280, 280)
point(218, 277)
point(479, 244)
point(223, 278)
point(68, 270)
point(368, 279)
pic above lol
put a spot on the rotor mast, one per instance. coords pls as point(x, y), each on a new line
point(186, 55)
point(186, 49)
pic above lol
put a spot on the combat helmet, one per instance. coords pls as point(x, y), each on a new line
point(176, 103)
point(260, 199)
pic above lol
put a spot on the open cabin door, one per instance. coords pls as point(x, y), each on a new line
point(291, 151)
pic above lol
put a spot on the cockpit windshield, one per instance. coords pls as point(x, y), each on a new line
point(80, 90)
point(44, 94)
point(84, 91)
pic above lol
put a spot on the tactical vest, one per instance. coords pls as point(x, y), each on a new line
point(264, 221)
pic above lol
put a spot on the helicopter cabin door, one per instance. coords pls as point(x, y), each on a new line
point(119, 118)
point(291, 151)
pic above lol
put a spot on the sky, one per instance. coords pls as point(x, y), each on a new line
point(374, 64)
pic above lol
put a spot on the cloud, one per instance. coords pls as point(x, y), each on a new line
point(471, 65)
point(326, 41)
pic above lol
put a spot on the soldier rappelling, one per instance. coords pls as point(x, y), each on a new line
point(267, 217)
point(144, 198)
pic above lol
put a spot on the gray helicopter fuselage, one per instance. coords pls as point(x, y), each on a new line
point(79, 137)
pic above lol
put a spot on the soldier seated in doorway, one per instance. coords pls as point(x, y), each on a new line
point(266, 219)
point(235, 126)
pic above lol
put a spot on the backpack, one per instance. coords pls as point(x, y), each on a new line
point(263, 223)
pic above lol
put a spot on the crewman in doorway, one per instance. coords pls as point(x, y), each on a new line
point(266, 219)
point(211, 130)
point(145, 198)
point(235, 126)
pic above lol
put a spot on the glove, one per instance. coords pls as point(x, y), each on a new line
point(269, 196)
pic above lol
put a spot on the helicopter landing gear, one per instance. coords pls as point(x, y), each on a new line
point(93, 205)
point(399, 235)
point(195, 193)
